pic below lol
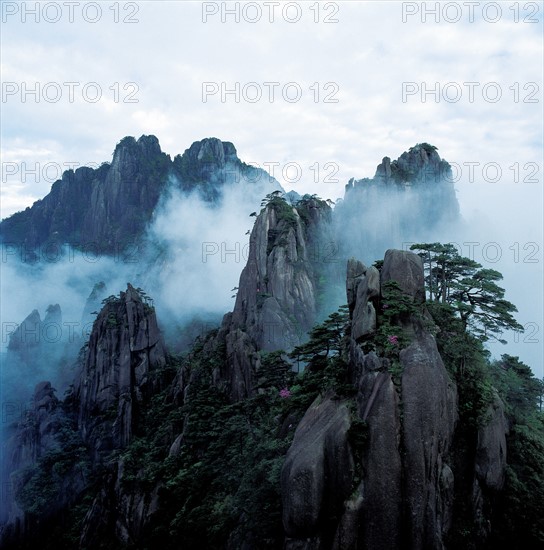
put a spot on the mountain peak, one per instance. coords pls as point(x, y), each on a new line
point(146, 145)
point(213, 148)
point(206, 156)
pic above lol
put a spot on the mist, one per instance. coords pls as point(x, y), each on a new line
point(192, 254)
point(492, 227)
point(199, 251)
point(499, 231)
point(188, 262)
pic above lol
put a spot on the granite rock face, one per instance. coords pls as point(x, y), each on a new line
point(363, 291)
point(125, 346)
point(405, 200)
point(39, 349)
point(117, 376)
point(369, 469)
point(491, 450)
point(104, 208)
point(318, 471)
point(276, 302)
point(430, 413)
point(397, 490)
point(380, 493)
point(107, 209)
point(41, 430)
point(276, 297)
point(406, 269)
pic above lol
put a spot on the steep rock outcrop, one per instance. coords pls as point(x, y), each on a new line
point(363, 290)
point(489, 467)
point(406, 269)
point(429, 416)
point(120, 208)
point(34, 436)
point(380, 510)
point(117, 512)
point(420, 165)
point(403, 497)
point(405, 200)
point(124, 348)
point(39, 349)
point(26, 338)
point(92, 306)
point(317, 473)
point(276, 303)
point(107, 209)
point(44, 431)
point(276, 297)
point(209, 165)
point(491, 447)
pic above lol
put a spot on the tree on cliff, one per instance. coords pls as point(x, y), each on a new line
point(326, 339)
point(471, 290)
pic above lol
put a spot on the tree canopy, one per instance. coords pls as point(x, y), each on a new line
point(469, 288)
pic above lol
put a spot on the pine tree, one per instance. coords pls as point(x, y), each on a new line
point(470, 289)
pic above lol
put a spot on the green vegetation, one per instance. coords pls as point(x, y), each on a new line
point(221, 480)
point(284, 211)
point(469, 308)
point(307, 202)
point(393, 310)
point(472, 291)
point(111, 299)
point(155, 170)
point(521, 522)
point(44, 488)
point(187, 168)
point(224, 479)
point(427, 147)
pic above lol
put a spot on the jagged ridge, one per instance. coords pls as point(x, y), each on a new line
point(110, 207)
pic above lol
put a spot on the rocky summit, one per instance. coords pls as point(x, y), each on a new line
point(110, 206)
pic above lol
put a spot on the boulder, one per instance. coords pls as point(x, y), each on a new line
point(318, 470)
point(364, 311)
point(405, 268)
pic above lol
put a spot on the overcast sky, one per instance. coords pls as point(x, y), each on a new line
point(374, 78)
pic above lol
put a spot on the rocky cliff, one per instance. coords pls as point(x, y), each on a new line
point(396, 488)
point(277, 298)
point(43, 454)
point(33, 347)
point(372, 465)
point(107, 209)
point(119, 372)
point(124, 349)
point(415, 194)
point(209, 166)
point(370, 445)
